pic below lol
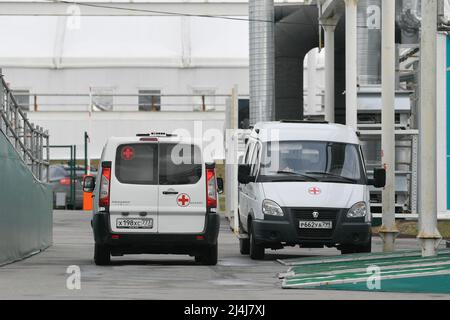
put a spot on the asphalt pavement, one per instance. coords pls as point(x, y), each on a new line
point(45, 275)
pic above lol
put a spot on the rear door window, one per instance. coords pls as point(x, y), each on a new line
point(137, 163)
point(179, 164)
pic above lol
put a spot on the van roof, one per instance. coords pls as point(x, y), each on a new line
point(306, 131)
point(134, 139)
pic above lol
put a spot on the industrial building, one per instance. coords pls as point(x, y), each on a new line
point(75, 73)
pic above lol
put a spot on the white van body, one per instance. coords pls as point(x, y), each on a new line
point(158, 198)
point(302, 205)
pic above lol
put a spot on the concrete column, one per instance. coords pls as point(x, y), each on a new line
point(388, 230)
point(329, 72)
point(351, 61)
point(429, 236)
point(312, 80)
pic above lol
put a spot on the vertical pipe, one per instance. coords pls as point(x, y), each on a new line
point(262, 60)
point(388, 229)
point(312, 80)
point(351, 62)
point(329, 73)
point(428, 236)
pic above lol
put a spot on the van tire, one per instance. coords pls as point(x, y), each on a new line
point(256, 250)
point(210, 257)
point(244, 246)
point(102, 255)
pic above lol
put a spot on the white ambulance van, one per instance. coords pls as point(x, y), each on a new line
point(304, 183)
point(154, 194)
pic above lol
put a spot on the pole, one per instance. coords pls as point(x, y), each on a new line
point(429, 237)
point(85, 153)
point(235, 141)
point(388, 229)
point(351, 62)
point(312, 80)
point(329, 72)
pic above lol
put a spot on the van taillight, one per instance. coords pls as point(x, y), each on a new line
point(105, 183)
point(211, 192)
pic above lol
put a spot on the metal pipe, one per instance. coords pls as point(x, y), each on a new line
point(329, 73)
point(312, 79)
point(351, 62)
point(262, 60)
point(429, 235)
point(388, 230)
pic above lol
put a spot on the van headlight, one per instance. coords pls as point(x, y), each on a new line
point(358, 210)
point(271, 208)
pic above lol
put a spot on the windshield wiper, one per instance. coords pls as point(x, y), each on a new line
point(297, 174)
point(332, 175)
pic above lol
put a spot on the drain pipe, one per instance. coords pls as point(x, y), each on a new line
point(429, 236)
point(351, 63)
point(388, 230)
point(262, 60)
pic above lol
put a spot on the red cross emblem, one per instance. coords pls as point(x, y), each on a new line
point(314, 191)
point(127, 153)
point(183, 200)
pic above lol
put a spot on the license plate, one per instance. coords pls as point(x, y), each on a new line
point(134, 223)
point(315, 224)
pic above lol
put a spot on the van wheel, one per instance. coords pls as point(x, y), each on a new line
point(244, 246)
point(210, 257)
point(256, 250)
point(102, 255)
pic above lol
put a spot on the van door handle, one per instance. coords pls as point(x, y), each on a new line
point(170, 192)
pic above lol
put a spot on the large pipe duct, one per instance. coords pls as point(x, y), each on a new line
point(262, 60)
point(369, 42)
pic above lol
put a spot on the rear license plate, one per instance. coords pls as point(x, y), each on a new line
point(315, 224)
point(134, 223)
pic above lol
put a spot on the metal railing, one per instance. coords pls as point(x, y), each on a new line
point(110, 102)
point(29, 140)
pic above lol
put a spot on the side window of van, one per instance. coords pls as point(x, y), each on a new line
point(179, 164)
point(137, 163)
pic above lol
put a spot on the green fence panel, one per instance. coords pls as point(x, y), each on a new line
point(26, 213)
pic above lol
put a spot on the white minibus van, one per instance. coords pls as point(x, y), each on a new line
point(154, 194)
point(304, 183)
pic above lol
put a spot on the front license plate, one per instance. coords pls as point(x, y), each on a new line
point(316, 224)
point(134, 223)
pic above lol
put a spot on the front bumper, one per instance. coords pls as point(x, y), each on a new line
point(285, 230)
point(135, 243)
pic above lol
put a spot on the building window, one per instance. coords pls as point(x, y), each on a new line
point(204, 99)
point(102, 99)
point(149, 100)
point(22, 98)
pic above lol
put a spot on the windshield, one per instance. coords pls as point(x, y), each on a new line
point(313, 160)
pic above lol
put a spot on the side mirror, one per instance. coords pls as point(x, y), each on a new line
point(244, 174)
point(88, 183)
point(379, 178)
point(219, 185)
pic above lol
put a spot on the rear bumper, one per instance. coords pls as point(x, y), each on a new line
point(285, 230)
point(135, 243)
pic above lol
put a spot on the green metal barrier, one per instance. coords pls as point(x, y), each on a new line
point(26, 215)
